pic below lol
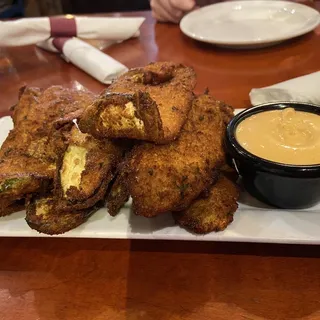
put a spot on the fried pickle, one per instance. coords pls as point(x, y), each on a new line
point(158, 99)
point(213, 213)
point(123, 115)
point(118, 195)
point(85, 170)
point(43, 216)
point(22, 175)
point(28, 156)
point(164, 178)
point(34, 118)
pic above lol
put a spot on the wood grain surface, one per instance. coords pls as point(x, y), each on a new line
point(91, 279)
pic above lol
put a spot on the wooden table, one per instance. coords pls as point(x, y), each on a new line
point(68, 279)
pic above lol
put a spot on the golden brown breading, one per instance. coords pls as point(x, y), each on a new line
point(23, 175)
point(169, 86)
point(20, 176)
point(34, 120)
point(118, 195)
point(85, 170)
point(27, 100)
point(43, 216)
point(169, 177)
point(29, 154)
point(227, 112)
point(123, 116)
point(213, 213)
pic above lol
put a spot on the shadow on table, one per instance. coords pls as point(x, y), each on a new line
point(141, 225)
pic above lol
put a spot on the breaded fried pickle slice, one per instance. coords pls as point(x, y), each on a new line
point(43, 216)
point(167, 92)
point(123, 116)
point(164, 178)
point(23, 175)
point(20, 176)
point(29, 154)
point(34, 118)
point(213, 213)
point(118, 195)
point(85, 170)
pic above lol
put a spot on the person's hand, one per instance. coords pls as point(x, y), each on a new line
point(171, 10)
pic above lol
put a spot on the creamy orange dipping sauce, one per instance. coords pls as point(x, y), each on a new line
point(286, 136)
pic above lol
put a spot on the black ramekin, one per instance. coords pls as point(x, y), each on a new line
point(277, 184)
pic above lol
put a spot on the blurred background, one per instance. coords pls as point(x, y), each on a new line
point(34, 8)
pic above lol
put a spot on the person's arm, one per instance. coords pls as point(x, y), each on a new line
point(171, 10)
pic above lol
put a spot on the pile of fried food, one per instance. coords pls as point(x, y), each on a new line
point(146, 136)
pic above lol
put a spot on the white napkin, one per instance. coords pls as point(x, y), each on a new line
point(301, 89)
point(33, 30)
point(86, 57)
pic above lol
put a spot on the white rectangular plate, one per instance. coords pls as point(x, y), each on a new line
point(253, 222)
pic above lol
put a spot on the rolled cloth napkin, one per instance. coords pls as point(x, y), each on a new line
point(86, 57)
point(301, 89)
point(33, 30)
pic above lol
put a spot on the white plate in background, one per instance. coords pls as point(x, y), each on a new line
point(249, 24)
